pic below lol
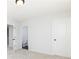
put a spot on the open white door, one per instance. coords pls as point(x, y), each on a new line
point(10, 36)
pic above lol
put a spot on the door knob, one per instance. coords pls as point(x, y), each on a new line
point(54, 39)
point(13, 39)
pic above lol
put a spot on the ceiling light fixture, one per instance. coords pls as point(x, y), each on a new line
point(20, 2)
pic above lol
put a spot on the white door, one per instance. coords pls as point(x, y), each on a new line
point(25, 36)
point(60, 27)
point(10, 36)
point(59, 37)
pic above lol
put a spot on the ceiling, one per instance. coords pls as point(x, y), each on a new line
point(34, 8)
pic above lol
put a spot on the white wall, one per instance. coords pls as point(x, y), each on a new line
point(40, 39)
point(39, 35)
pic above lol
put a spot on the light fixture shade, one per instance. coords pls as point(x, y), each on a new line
point(19, 2)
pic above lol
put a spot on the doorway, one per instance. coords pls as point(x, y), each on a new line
point(25, 37)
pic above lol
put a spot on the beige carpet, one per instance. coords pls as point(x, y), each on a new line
point(24, 54)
